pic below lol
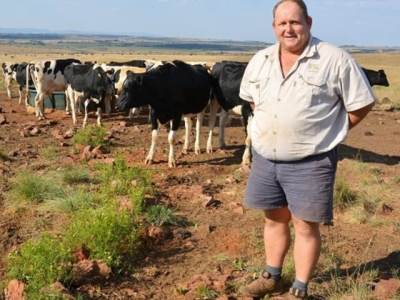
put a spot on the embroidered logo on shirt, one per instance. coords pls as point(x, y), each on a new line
point(313, 67)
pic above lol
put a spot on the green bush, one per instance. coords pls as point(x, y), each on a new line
point(109, 234)
point(91, 135)
point(39, 263)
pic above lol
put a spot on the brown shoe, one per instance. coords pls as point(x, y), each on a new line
point(262, 286)
point(295, 294)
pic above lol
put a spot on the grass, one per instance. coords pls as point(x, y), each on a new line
point(344, 196)
point(39, 263)
point(34, 188)
point(95, 221)
point(159, 215)
point(91, 135)
point(4, 156)
point(206, 293)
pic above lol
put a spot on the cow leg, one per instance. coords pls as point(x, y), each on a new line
point(85, 118)
point(133, 112)
point(223, 118)
point(8, 85)
point(172, 139)
point(246, 154)
point(99, 115)
point(154, 137)
point(20, 92)
point(199, 122)
point(39, 106)
point(171, 155)
point(188, 130)
point(70, 103)
point(211, 124)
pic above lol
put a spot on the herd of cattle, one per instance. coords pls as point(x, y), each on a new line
point(172, 90)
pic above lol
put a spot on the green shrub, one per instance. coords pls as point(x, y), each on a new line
point(39, 263)
point(91, 135)
point(109, 234)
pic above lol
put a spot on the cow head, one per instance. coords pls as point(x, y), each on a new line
point(133, 93)
point(383, 78)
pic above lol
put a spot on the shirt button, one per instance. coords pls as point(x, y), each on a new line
point(279, 99)
point(274, 132)
point(275, 116)
point(274, 150)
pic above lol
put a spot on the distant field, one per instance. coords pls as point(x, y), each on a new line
point(105, 49)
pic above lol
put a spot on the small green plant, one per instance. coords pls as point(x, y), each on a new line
point(159, 215)
point(4, 156)
point(39, 263)
point(76, 175)
point(74, 201)
point(239, 264)
point(396, 179)
point(344, 196)
point(120, 179)
point(35, 189)
point(206, 293)
point(180, 290)
point(109, 234)
point(50, 152)
point(91, 135)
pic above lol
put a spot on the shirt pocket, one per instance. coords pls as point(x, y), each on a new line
point(312, 89)
point(257, 86)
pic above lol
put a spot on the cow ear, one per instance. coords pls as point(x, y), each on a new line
point(139, 79)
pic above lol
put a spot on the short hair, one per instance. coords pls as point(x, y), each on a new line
point(300, 3)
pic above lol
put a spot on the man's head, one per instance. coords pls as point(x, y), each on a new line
point(292, 25)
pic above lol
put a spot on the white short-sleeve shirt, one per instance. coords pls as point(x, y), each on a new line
point(304, 113)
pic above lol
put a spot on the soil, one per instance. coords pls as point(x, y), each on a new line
point(221, 245)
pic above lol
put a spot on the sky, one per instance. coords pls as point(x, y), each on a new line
point(340, 22)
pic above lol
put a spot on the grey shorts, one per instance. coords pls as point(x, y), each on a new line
point(306, 186)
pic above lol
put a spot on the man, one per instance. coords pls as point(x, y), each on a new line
point(306, 94)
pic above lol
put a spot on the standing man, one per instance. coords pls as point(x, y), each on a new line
point(306, 95)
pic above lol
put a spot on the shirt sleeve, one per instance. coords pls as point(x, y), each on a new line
point(245, 92)
point(356, 90)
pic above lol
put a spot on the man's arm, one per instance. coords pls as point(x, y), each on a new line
point(356, 116)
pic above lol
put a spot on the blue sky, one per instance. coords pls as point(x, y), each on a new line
point(341, 22)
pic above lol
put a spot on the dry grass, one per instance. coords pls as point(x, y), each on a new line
point(390, 63)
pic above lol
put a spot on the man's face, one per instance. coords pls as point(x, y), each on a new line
point(291, 27)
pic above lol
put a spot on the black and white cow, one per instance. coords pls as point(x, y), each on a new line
point(376, 77)
point(228, 76)
point(173, 90)
point(119, 74)
point(9, 71)
point(21, 76)
point(92, 83)
point(48, 77)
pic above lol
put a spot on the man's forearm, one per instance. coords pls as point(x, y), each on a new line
point(356, 116)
